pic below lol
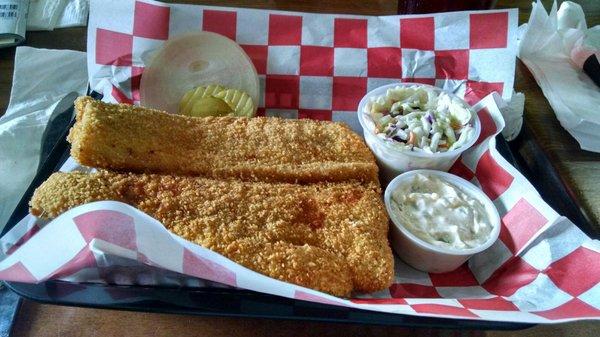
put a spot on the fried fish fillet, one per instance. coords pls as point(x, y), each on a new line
point(331, 236)
point(126, 138)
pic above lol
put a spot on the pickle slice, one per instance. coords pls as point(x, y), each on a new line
point(208, 106)
point(239, 101)
point(191, 97)
point(216, 100)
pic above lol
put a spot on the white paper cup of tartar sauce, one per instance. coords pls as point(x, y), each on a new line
point(395, 157)
point(439, 220)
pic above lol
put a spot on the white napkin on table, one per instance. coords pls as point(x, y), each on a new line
point(42, 77)
point(550, 46)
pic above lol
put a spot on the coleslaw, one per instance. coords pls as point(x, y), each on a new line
point(418, 118)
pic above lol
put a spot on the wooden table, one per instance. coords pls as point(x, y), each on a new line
point(578, 168)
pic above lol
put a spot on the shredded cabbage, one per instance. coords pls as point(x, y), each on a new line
point(421, 119)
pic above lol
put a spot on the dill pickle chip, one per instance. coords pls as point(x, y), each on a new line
point(191, 98)
point(208, 106)
point(239, 101)
point(216, 100)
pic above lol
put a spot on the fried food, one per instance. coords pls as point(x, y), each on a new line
point(330, 236)
point(126, 138)
point(296, 200)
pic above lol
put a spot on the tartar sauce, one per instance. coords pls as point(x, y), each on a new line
point(440, 213)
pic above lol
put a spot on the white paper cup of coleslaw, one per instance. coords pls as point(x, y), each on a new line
point(394, 161)
point(426, 256)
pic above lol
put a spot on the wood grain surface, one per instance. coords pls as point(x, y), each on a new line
point(579, 168)
point(50, 320)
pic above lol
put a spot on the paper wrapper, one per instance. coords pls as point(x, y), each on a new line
point(552, 46)
point(542, 269)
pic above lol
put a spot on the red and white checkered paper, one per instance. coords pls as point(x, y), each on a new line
point(542, 269)
point(312, 65)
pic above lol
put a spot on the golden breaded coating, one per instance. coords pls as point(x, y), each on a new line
point(122, 137)
point(330, 236)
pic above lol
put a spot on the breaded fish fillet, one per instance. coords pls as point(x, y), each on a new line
point(126, 138)
point(331, 236)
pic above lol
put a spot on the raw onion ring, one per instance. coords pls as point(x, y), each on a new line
point(195, 59)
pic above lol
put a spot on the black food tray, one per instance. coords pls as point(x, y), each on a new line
point(213, 301)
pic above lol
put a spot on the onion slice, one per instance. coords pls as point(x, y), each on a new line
point(192, 60)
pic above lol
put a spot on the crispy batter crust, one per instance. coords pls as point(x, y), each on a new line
point(126, 138)
point(330, 237)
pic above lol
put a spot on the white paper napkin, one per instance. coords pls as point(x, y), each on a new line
point(50, 14)
point(37, 89)
point(75, 14)
point(546, 45)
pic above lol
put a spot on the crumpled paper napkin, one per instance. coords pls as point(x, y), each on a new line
point(551, 46)
point(512, 112)
point(581, 41)
point(50, 14)
point(37, 88)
